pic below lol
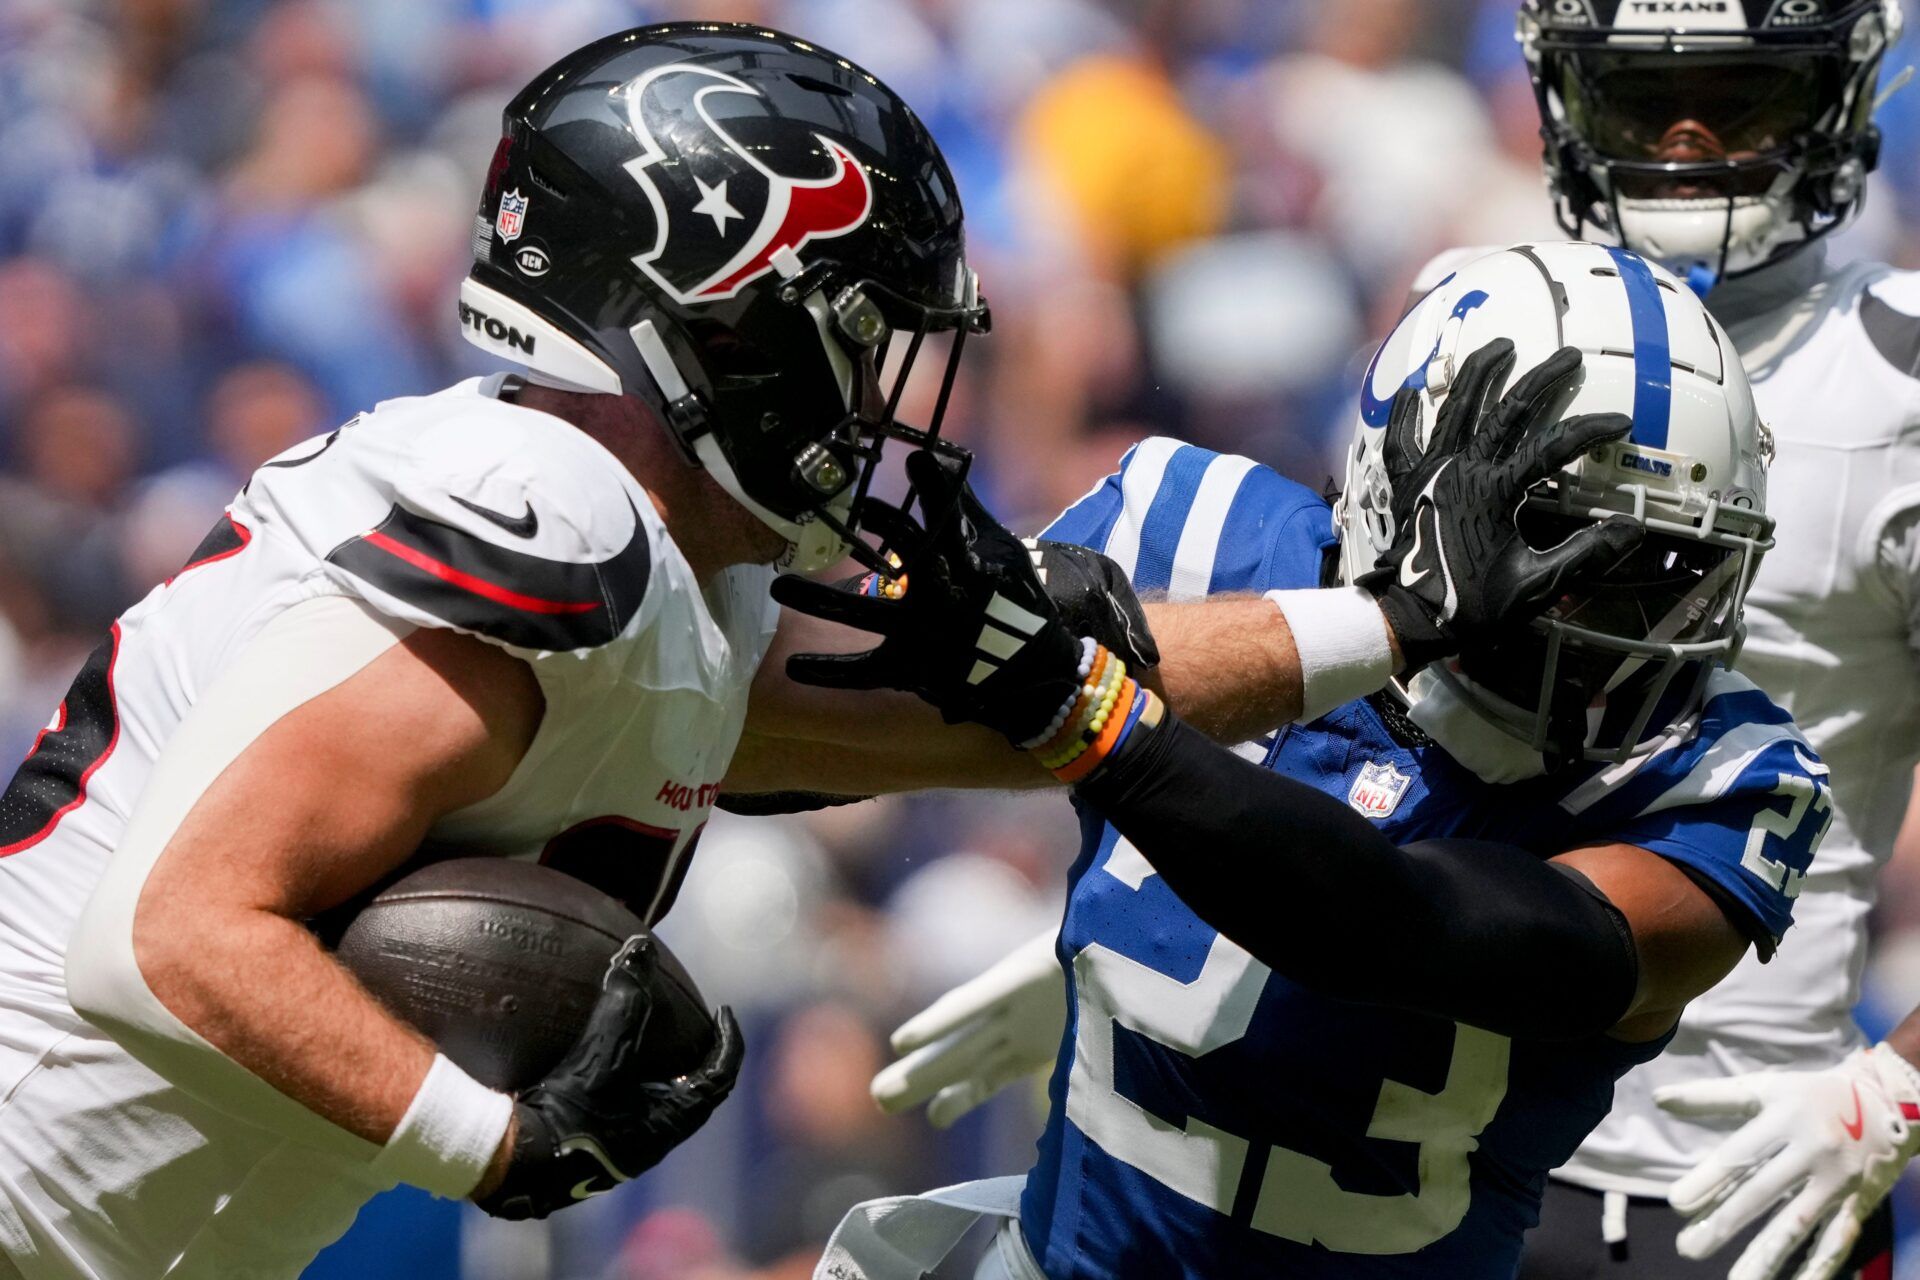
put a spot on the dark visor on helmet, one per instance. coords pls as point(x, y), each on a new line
point(1670, 591)
point(1631, 105)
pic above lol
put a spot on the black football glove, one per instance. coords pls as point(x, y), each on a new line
point(975, 634)
point(1458, 571)
point(597, 1120)
point(1095, 599)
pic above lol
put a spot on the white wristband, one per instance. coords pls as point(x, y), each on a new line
point(449, 1135)
point(1341, 637)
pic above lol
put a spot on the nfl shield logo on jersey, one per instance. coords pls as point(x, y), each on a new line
point(512, 215)
point(1376, 792)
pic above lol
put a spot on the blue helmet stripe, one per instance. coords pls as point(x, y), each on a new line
point(1652, 352)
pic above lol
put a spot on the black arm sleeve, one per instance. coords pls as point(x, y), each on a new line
point(1483, 933)
point(766, 804)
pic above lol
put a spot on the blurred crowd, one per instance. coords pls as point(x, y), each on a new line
point(227, 225)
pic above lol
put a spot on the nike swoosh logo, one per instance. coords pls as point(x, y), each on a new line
point(584, 1189)
point(301, 462)
point(1408, 578)
point(1859, 1121)
point(523, 526)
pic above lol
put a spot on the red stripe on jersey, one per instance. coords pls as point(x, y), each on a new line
point(479, 586)
point(1910, 1112)
point(1880, 1268)
point(93, 767)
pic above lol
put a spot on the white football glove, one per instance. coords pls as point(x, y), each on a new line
point(979, 1037)
point(1834, 1140)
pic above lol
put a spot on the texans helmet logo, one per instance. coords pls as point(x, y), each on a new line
point(722, 216)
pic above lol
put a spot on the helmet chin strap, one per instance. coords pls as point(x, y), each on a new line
point(1462, 723)
point(1492, 736)
point(813, 545)
point(1710, 238)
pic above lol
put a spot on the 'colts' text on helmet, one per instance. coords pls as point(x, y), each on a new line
point(733, 226)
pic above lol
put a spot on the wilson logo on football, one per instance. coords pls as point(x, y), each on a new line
point(722, 215)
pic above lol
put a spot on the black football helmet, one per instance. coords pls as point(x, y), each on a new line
point(1711, 135)
point(732, 225)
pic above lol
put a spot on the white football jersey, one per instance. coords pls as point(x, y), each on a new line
point(1834, 355)
point(455, 510)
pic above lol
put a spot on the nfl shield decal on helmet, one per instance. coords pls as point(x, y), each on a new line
point(724, 214)
point(1378, 790)
point(512, 217)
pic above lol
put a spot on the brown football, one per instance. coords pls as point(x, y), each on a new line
point(498, 962)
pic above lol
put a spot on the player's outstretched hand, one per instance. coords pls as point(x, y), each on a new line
point(1459, 571)
point(1094, 598)
point(598, 1120)
point(980, 1037)
point(973, 632)
point(1831, 1143)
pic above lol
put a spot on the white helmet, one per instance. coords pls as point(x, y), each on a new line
point(1602, 667)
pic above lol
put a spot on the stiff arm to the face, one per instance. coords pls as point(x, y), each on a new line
point(1239, 668)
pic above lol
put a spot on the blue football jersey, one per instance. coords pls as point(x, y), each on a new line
point(1210, 1118)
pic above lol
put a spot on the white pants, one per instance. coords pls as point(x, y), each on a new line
point(107, 1172)
point(904, 1237)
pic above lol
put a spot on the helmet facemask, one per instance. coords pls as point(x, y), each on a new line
point(816, 503)
point(1622, 656)
point(1714, 152)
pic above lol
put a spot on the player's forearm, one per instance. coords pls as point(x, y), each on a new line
point(1239, 668)
point(1488, 935)
point(261, 991)
point(859, 742)
point(241, 1009)
point(1230, 666)
point(901, 757)
point(312, 767)
point(276, 1010)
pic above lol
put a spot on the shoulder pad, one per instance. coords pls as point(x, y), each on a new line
point(506, 523)
point(1890, 314)
point(1744, 802)
point(1737, 722)
point(1744, 739)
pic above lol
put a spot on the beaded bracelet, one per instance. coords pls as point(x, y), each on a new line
point(1143, 708)
point(1093, 711)
point(1059, 721)
point(883, 586)
point(1102, 673)
point(1097, 697)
